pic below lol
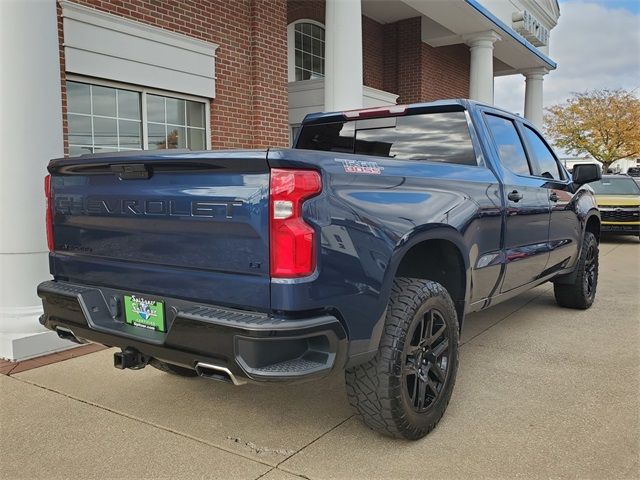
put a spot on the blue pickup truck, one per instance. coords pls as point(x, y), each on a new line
point(360, 250)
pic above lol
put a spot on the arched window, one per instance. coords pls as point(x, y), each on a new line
point(306, 50)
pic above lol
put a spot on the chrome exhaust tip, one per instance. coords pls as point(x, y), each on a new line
point(216, 372)
point(66, 334)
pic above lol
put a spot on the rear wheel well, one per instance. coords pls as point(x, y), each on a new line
point(593, 226)
point(439, 261)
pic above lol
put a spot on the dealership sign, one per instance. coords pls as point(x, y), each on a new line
point(530, 28)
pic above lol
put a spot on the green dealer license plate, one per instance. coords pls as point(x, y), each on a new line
point(143, 312)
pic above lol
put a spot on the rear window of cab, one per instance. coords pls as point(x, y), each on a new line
point(433, 137)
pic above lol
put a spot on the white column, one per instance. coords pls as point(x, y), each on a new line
point(533, 95)
point(481, 65)
point(343, 55)
point(31, 134)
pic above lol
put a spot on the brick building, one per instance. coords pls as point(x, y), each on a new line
point(116, 75)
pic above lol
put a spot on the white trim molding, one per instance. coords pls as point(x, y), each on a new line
point(307, 96)
point(102, 45)
point(373, 97)
point(22, 337)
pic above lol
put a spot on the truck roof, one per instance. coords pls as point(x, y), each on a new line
point(447, 105)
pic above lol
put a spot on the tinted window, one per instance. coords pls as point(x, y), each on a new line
point(545, 164)
point(435, 137)
point(328, 137)
point(508, 143)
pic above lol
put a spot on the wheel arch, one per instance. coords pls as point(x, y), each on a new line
point(440, 255)
point(593, 225)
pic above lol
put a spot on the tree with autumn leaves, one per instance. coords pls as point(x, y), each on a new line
point(603, 123)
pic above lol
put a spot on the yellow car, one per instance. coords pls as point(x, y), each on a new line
point(618, 198)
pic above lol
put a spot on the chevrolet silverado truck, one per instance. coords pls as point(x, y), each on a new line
point(360, 250)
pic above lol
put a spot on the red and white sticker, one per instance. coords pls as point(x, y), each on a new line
point(360, 166)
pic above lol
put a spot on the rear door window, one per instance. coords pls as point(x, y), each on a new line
point(544, 162)
point(508, 143)
point(434, 137)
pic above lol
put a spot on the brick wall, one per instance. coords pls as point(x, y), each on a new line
point(407, 48)
point(418, 72)
point(445, 72)
point(389, 58)
point(270, 106)
point(372, 53)
point(251, 96)
point(311, 9)
point(63, 85)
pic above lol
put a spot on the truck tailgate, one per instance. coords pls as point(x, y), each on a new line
point(189, 225)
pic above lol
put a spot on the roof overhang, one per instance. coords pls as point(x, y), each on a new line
point(451, 22)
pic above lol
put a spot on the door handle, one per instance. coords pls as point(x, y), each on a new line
point(514, 196)
point(554, 197)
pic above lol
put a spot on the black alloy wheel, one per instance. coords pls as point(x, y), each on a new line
point(578, 289)
point(404, 390)
point(427, 360)
point(590, 271)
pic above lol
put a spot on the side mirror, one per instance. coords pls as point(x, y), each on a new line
point(586, 173)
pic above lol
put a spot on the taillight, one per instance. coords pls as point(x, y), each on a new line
point(49, 213)
point(292, 241)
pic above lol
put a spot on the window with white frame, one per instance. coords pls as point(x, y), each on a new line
point(175, 123)
point(113, 118)
point(306, 45)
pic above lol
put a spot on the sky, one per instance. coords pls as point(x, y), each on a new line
point(596, 44)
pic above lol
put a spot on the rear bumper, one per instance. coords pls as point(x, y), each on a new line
point(251, 346)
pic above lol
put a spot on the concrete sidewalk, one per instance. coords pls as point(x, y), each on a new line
point(542, 392)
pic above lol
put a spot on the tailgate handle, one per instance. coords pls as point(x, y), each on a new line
point(131, 171)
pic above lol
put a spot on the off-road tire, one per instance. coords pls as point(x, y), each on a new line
point(378, 390)
point(172, 369)
point(581, 293)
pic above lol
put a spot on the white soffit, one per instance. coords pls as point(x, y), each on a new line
point(387, 11)
point(102, 45)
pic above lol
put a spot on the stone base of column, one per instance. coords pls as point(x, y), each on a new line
point(26, 338)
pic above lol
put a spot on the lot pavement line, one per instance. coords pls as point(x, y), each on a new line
point(293, 472)
point(151, 424)
point(290, 473)
point(525, 304)
point(265, 473)
point(308, 445)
